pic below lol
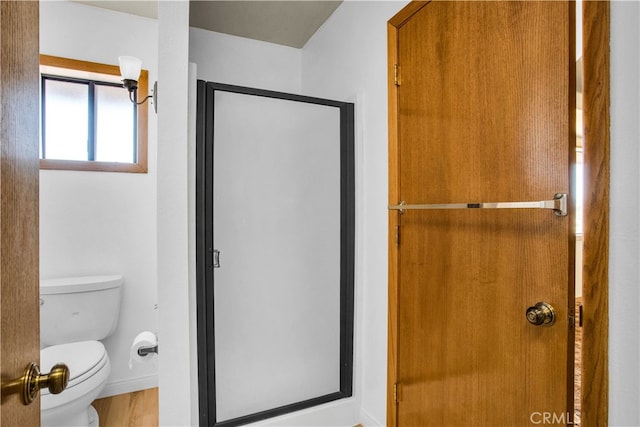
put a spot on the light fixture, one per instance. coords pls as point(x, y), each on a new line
point(130, 70)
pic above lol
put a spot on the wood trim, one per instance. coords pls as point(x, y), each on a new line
point(393, 26)
point(407, 12)
point(87, 166)
point(571, 241)
point(143, 120)
point(394, 221)
point(74, 64)
point(595, 270)
point(143, 124)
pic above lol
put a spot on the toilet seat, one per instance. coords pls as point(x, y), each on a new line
point(88, 364)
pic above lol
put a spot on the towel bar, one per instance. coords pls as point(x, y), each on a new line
point(558, 205)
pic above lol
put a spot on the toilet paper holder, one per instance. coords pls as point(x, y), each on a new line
point(144, 351)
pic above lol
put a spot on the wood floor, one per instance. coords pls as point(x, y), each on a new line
point(137, 409)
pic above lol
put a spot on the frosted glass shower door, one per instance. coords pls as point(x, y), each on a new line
point(278, 282)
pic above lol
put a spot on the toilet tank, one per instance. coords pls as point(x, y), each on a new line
point(79, 308)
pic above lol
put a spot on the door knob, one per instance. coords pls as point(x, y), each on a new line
point(541, 314)
point(32, 381)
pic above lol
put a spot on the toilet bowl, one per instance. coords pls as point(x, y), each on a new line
point(89, 368)
point(75, 313)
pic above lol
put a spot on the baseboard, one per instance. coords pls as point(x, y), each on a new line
point(129, 385)
point(367, 420)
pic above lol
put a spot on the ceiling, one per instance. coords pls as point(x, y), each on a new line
point(289, 23)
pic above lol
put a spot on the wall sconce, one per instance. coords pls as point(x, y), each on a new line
point(130, 71)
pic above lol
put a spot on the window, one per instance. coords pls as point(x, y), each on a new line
point(88, 122)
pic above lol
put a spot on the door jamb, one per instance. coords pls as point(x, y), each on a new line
point(393, 25)
point(595, 269)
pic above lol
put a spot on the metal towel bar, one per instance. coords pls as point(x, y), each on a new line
point(558, 205)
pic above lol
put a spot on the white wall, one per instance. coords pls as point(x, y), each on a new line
point(177, 369)
point(624, 276)
point(347, 59)
point(222, 58)
point(98, 222)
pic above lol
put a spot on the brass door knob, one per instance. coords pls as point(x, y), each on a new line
point(541, 314)
point(32, 381)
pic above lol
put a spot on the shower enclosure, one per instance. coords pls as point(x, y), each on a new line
point(275, 252)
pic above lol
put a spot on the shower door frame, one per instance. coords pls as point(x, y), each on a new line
point(205, 262)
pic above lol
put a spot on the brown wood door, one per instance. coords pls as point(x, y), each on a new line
point(483, 110)
point(19, 289)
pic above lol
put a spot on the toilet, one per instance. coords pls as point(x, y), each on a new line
point(75, 313)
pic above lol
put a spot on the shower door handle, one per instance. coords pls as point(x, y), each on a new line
point(216, 258)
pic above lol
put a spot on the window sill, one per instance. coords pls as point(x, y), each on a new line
point(87, 166)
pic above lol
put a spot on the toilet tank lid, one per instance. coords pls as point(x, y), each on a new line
point(64, 285)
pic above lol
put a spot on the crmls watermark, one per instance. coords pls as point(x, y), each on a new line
point(552, 418)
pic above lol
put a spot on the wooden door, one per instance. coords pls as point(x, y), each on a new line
point(19, 289)
point(482, 106)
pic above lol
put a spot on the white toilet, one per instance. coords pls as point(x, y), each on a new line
point(75, 313)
